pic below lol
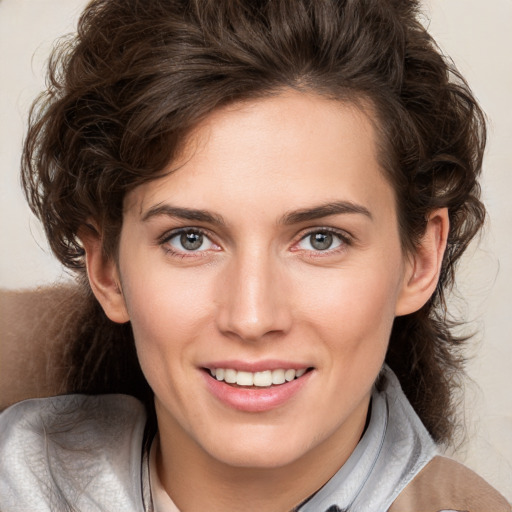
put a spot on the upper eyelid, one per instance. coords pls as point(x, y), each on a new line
point(343, 234)
point(171, 233)
point(219, 236)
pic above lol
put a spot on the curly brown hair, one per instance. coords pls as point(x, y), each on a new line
point(124, 93)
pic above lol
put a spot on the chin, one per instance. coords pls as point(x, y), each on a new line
point(259, 448)
point(247, 458)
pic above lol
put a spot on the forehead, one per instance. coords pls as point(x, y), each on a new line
point(282, 150)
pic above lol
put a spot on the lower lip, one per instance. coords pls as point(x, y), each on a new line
point(255, 399)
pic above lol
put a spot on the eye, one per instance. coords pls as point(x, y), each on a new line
point(189, 240)
point(321, 240)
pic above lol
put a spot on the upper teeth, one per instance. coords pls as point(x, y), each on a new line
point(260, 379)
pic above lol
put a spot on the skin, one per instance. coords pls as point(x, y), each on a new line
point(258, 290)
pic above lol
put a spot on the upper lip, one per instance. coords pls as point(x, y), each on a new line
point(256, 366)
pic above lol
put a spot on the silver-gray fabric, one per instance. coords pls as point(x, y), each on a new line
point(72, 453)
point(84, 453)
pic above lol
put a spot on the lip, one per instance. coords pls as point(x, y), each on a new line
point(254, 399)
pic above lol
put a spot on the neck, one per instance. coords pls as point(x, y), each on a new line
point(197, 481)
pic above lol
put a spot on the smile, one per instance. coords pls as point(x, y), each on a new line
point(255, 391)
point(262, 379)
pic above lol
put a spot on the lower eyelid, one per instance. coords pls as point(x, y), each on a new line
point(344, 239)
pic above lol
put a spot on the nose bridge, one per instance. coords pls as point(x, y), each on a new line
point(254, 302)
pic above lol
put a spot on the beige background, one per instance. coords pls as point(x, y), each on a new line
point(478, 36)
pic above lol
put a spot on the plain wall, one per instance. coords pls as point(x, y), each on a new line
point(478, 36)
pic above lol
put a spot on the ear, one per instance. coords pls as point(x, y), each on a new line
point(423, 267)
point(103, 276)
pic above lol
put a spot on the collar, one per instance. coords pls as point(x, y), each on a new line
point(394, 448)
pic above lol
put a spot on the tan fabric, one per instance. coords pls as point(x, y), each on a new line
point(447, 485)
point(35, 327)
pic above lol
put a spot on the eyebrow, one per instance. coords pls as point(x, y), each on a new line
point(294, 217)
point(324, 210)
point(183, 213)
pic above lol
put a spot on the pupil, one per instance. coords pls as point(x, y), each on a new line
point(321, 241)
point(191, 241)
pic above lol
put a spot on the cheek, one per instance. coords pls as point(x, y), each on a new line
point(352, 310)
point(162, 300)
point(353, 302)
point(167, 314)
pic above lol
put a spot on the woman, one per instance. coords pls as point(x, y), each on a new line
point(267, 201)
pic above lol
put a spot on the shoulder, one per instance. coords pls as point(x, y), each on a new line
point(84, 417)
point(69, 450)
point(444, 484)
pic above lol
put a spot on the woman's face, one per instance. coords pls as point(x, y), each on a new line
point(271, 253)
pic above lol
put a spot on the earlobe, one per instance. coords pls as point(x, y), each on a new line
point(423, 267)
point(103, 276)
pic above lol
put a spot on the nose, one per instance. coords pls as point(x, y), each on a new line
point(254, 303)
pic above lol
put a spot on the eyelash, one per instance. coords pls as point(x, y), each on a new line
point(344, 238)
point(167, 237)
